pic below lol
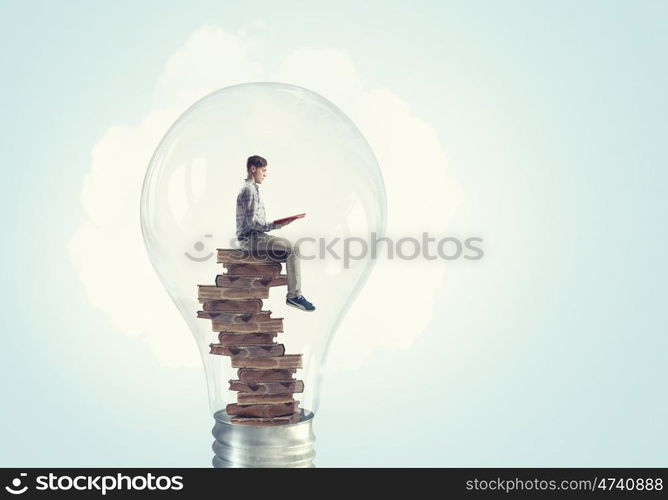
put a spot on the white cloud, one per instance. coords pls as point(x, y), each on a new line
point(127, 290)
point(210, 59)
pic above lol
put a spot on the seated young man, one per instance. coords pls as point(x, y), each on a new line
point(252, 231)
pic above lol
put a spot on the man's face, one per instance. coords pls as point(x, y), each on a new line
point(260, 174)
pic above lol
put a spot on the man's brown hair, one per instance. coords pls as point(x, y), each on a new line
point(255, 161)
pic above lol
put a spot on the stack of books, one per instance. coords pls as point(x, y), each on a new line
point(266, 381)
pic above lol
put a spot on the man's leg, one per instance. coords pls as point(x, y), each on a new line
point(274, 244)
point(293, 270)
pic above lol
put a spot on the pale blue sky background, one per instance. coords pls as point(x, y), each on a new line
point(553, 116)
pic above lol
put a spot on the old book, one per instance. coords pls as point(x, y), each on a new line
point(290, 219)
point(234, 281)
point(249, 305)
point(259, 421)
point(235, 317)
point(267, 375)
point(267, 271)
point(212, 292)
point(249, 351)
point(252, 399)
point(265, 411)
point(272, 325)
point(228, 339)
point(238, 256)
point(287, 361)
point(267, 387)
point(280, 280)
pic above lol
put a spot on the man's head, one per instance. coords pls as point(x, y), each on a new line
point(256, 166)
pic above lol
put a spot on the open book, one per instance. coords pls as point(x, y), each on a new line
point(288, 219)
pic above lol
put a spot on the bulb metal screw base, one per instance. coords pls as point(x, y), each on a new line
point(238, 445)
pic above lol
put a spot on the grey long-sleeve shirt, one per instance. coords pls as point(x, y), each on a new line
point(250, 211)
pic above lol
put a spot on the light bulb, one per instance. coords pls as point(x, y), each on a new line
point(318, 163)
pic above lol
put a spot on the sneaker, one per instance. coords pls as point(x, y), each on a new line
point(300, 303)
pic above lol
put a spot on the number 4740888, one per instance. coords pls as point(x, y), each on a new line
point(639, 484)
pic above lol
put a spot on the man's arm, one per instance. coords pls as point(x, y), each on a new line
point(250, 208)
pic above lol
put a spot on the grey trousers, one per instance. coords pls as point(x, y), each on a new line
point(266, 243)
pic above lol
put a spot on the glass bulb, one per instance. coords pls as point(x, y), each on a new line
point(318, 163)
